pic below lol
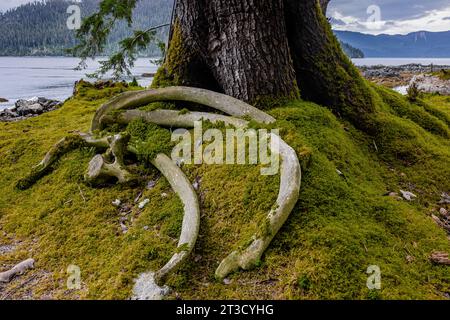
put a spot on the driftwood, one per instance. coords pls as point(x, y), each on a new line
point(18, 269)
point(441, 223)
point(440, 258)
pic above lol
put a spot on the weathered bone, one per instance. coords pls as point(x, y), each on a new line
point(172, 118)
point(218, 101)
point(18, 269)
point(100, 171)
point(290, 181)
point(62, 147)
point(189, 231)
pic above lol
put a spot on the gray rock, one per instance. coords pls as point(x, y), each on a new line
point(28, 108)
point(9, 115)
point(445, 198)
point(143, 203)
point(31, 109)
point(408, 195)
point(431, 84)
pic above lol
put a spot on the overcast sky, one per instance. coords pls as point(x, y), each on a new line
point(395, 16)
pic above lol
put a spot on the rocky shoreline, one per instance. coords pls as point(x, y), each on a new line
point(396, 76)
point(25, 109)
point(428, 78)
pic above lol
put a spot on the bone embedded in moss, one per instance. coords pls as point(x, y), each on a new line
point(208, 98)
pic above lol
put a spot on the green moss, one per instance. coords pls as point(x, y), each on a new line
point(183, 247)
point(442, 74)
point(338, 81)
point(271, 102)
point(184, 111)
point(148, 139)
point(423, 114)
point(340, 226)
point(64, 222)
point(172, 71)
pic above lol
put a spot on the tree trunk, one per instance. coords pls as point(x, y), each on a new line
point(324, 73)
point(238, 47)
point(258, 49)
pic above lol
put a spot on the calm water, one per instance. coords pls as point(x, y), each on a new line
point(400, 61)
point(50, 77)
point(53, 77)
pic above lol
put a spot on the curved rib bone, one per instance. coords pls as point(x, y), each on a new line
point(147, 285)
point(62, 147)
point(290, 179)
point(171, 118)
point(17, 270)
point(218, 101)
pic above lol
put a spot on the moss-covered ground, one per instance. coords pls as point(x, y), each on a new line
point(343, 222)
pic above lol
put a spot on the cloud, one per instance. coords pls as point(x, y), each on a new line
point(436, 19)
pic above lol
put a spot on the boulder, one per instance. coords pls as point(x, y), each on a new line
point(28, 108)
point(3, 100)
point(431, 84)
point(8, 115)
point(25, 110)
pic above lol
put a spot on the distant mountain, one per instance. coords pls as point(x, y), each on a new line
point(39, 28)
point(351, 51)
point(414, 45)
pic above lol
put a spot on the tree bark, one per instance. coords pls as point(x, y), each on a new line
point(237, 47)
point(324, 5)
point(324, 73)
point(262, 50)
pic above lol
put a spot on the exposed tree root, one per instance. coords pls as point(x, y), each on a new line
point(150, 285)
